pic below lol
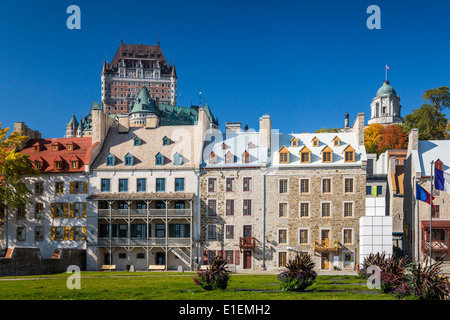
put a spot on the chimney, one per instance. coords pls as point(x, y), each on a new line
point(232, 127)
point(124, 124)
point(265, 132)
point(347, 120)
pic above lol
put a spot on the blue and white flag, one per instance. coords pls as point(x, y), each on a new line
point(441, 180)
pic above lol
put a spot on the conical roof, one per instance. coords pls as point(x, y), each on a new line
point(73, 121)
point(144, 102)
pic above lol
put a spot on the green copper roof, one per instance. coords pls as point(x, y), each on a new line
point(386, 89)
point(144, 103)
point(73, 121)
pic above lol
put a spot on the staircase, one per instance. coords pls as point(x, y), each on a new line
point(184, 257)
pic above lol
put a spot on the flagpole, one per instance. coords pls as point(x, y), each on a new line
point(431, 203)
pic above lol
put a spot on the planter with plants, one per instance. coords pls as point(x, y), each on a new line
point(299, 275)
point(216, 276)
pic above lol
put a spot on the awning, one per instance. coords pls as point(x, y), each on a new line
point(141, 196)
point(436, 224)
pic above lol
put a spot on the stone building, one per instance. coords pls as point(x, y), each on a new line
point(418, 170)
point(316, 186)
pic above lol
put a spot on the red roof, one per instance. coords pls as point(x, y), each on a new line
point(48, 156)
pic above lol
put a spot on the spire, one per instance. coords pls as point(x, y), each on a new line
point(73, 121)
point(121, 38)
point(158, 39)
point(174, 72)
point(104, 66)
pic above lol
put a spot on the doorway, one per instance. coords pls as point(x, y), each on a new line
point(325, 261)
point(160, 258)
point(247, 259)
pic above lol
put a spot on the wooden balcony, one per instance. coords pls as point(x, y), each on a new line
point(326, 245)
point(436, 245)
point(247, 243)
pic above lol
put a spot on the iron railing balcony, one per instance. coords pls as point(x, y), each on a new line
point(143, 212)
point(247, 242)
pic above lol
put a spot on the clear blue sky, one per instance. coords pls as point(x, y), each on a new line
point(306, 63)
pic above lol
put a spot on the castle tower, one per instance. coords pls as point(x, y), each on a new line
point(71, 127)
point(385, 107)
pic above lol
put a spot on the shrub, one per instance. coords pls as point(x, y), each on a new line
point(215, 277)
point(299, 275)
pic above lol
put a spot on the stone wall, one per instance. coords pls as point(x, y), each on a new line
point(29, 261)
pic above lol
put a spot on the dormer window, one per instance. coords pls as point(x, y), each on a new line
point(283, 155)
point(137, 141)
point(229, 157)
point(327, 154)
point(315, 142)
point(294, 142)
point(224, 146)
point(37, 147)
point(305, 155)
point(71, 146)
point(74, 163)
point(349, 154)
point(245, 157)
point(212, 158)
point(177, 159)
point(251, 145)
point(58, 163)
point(336, 142)
point(166, 141)
point(129, 160)
point(110, 160)
point(39, 163)
point(159, 159)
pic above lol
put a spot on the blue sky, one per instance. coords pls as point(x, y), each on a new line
point(306, 63)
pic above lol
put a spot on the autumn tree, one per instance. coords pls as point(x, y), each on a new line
point(372, 137)
point(392, 137)
point(13, 191)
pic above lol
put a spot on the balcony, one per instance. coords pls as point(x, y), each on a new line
point(247, 243)
point(325, 245)
point(142, 213)
point(436, 245)
point(142, 242)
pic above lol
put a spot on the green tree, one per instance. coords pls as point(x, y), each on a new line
point(13, 191)
point(332, 130)
point(429, 118)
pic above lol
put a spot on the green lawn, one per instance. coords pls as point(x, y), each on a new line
point(179, 286)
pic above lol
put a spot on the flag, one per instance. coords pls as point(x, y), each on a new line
point(441, 180)
point(387, 67)
point(422, 194)
point(374, 191)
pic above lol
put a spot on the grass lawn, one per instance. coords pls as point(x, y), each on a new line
point(179, 286)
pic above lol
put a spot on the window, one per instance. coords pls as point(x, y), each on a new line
point(59, 210)
point(78, 187)
point(229, 256)
point(39, 188)
point(105, 185)
point(123, 228)
point(212, 232)
point(58, 233)
point(336, 142)
point(315, 142)
point(229, 157)
point(349, 156)
point(59, 187)
point(38, 165)
point(77, 233)
point(247, 207)
point(159, 159)
point(229, 207)
point(282, 236)
point(122, 255)
point(39, 211)
point(212, 206)
point(160, 230)
point(304, 186)
point(245, 157)
point(141, 185)
point(435, 211)
point(379, 190)
point(247, 184)
point(177, 159)
point(21, 212)
point(137, 141)
point(58, 165)
point(230, 184)
point(282, 259)
point(110, 160)
point(212, 184)
point(229, 232)
point(305, 156)
point(212, 158)
point(166, 141)
point(160, 184)
point(348, 209)
point(304, 209)
point(77, 210)
point(348, 236)
point(326, 209)
point(140, 255)
point(303, 236)
point(129, 159)
point(20, 233)
point(283, 186)
point(284, 157)
point(326, 156)
point(368, 190)
point(294, 142)
point(123, 185)
point(179, 184)
point(74, 164)
point(326, 185)
point(348, 185)
point(39, 233)
point(282, 210)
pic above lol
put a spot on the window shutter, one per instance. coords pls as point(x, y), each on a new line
point(66, 210)
point(53, 211)
point(72, 233)
point(72, 210)
point(133, 231)
point(84, 209)
point(84, 186)
point(205, 257)
point(72, 187)
point(187, 230)
point(171, 231)
point(53, 232)
point(236, 257)
point(84, 233)
point(66, 233)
